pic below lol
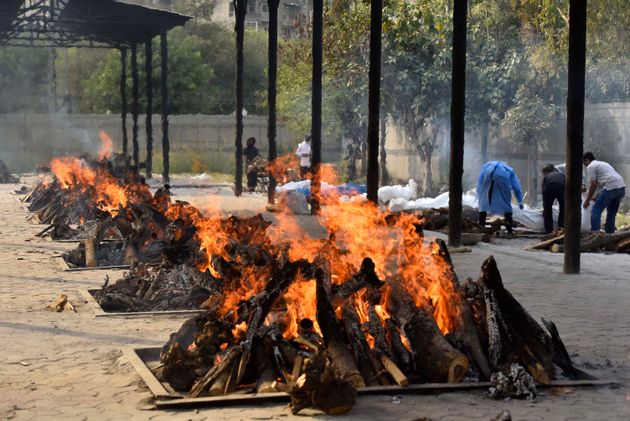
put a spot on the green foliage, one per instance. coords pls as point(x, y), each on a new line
point(189, 80)
point(24, 79)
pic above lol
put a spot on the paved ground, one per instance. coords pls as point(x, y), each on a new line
point(68, 366)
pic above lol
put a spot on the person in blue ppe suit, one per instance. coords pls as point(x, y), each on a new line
point(496, 182)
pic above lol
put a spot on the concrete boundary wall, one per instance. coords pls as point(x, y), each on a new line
point(606, 133)
point(29, 140)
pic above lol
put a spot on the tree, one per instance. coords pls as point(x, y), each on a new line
point(24, 79)
point(189, 92)
point(417, 69)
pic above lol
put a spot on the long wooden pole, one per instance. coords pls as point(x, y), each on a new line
point(575, 135)
point(240, 9)
point(165, 141)
point(148, 68)
point(374, 99)
point(272, 55)
point(458, 110)
point(316, 106)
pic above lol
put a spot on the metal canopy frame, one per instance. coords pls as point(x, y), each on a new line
point(81, 23)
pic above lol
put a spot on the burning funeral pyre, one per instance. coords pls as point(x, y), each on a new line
point(375, 303)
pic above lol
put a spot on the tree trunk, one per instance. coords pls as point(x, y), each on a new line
point(458, 111)
point(575, 135)
point(272, 55)
point(240, 9)
point(383, 153)
point(427, 150)
point(374, 98)
point(485, 134)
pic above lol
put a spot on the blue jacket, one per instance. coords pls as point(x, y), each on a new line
point(494, 188)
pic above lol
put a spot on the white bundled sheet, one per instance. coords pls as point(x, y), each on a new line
point(389, 193)
point(529, 217)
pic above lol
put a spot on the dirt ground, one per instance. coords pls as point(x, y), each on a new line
point(69, 366)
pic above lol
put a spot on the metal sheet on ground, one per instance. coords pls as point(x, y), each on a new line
point(145, 360)
point(88, 295)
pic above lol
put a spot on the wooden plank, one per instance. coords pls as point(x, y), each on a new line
point(88, 295)
point(154, 385)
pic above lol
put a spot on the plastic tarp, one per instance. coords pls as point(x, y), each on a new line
point(529, 217)
point(304, 187)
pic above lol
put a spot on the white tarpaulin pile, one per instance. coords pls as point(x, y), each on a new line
point(530, 218)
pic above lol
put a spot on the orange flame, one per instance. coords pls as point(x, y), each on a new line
point(107, 146)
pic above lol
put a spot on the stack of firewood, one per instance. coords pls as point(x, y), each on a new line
point(219, 353)
point(592, 242)
point(54, 202)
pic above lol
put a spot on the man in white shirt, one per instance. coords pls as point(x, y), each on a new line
point(601, 174)
point(304, 152)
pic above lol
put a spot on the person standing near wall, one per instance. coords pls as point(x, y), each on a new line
point(601, 174)
point(251, 153)
point(496, 182)
point(552, 190)
point(304, 152)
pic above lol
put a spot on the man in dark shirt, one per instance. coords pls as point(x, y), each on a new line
point(552, 190)
point(251, 153)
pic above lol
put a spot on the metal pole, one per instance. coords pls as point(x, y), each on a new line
point(165, 141)
point(458, 110)
point(123, 101)
point(575, 135)
point(240, 9)
point(135, 103)
point(272, 55)
point(316, 106)
point(148, 68)
point(374, 98)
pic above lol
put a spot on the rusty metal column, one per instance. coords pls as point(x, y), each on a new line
point(123, 101)
point(272, 55)
point(165, 142)
point(575, 135)
point(458, 111)
point(240, 10)
point(316, 106)
point(374, 98)
point(148, 68)
point(135, 104)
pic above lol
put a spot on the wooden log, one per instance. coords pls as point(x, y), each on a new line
point(597, 242)
point(91, 260)
point(359, 345)
point(436, 359)
point(265, 367)
point(528, 339)
point(393, 370)
point(402, 356)
point(322, 387)
point(506, 346)
point(366, 277)
point(561, 356)
point(544, 245)
point(465, 332)
point(342, 361)
point(622, 245)
point(231, 357)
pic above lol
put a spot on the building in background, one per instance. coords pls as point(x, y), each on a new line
point(293, 15)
